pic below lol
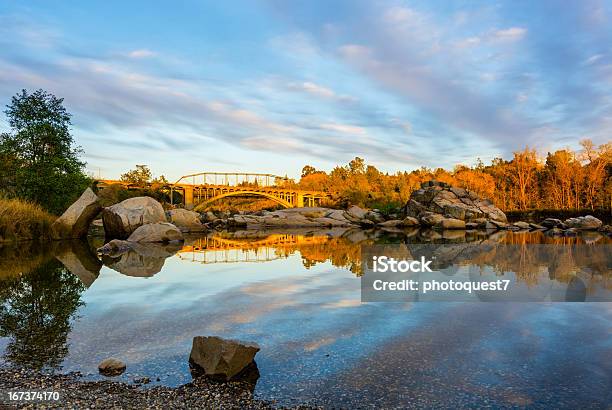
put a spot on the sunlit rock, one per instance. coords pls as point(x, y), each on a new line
point(74, 223)
point(586, 223)
point(439, 198)
point(121, 219)
point(185, 220)
point(156, 232)
point(222, 359)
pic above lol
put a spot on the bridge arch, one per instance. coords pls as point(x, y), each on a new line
point(278, 200)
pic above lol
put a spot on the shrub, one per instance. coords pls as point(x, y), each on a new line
point(21, 220)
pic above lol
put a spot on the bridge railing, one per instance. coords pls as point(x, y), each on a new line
point(233, 179)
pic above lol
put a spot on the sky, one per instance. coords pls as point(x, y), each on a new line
point(270, 86)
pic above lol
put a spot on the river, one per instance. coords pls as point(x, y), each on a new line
point(296, 293)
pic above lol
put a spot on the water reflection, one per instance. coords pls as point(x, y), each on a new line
point(296, 293)
point(36, 311)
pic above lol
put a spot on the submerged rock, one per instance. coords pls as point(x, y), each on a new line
point(121, 219)
point(222, 359)
point(74, 223)
point(111, 367)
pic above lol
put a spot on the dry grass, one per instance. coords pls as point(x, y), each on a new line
point(22, 220)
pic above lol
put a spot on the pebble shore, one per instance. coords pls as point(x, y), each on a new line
point(75, 393)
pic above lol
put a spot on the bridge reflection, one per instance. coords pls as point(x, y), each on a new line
point(219, 249)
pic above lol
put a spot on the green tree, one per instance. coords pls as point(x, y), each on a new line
point(140, 176)
point(39, 159)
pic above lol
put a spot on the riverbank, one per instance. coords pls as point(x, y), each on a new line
point(75, 393)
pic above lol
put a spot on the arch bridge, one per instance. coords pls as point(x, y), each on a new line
point(205, 188)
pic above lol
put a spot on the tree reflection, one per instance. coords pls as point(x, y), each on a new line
point(36, 310)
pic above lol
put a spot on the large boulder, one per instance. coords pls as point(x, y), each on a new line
point(187, 221)
point(74, 223)
point(121, 219)
point(584, 223)
point(222, 359)
point(436, 200)
point(156, 232)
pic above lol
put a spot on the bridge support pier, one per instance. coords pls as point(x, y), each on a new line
point(299, 200)
point(188, 197)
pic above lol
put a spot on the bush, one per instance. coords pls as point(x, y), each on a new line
point(21, 220)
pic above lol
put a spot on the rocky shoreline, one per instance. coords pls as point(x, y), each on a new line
point(76, 393)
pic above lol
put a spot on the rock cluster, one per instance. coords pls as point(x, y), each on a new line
point(437, 204)
point(310, 217)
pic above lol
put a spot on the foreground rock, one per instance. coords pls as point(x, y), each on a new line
point(185, 220)
point(111, 367)
point(222, 359)
point(74, 223)
point(121, 219)
point(163, 232)
point(439, 205)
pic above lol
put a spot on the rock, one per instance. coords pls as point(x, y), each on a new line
point(209, 216)
point(156, 232)
point(471, 225)
point(410, 221)
point(550, 223)
point(114, 247)
point(607, 229)
point(222, 359)
point(450, 202)
point(354, 212)
point(584, 223)
point(74, 223)
point(375, 216)
point(451, 223)
point(111, 367)
point(536, 226)
point(121, 219)
point(522, 225)
point(185, 220)
point(393, 223)
point(431, 219)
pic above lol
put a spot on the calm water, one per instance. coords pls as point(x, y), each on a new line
point(297, 294)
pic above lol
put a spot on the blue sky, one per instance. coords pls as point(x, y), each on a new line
point(269, 86)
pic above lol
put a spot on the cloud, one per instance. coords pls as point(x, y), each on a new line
point(510, 34)
point(142, 53)
point(344, 128)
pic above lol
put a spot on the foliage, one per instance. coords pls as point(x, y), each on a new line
point(139, 176)
point(39, 161)
point(565, 180)
point(21, 219)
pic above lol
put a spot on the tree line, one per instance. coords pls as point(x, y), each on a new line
point(564, 180)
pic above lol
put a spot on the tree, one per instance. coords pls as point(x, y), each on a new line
point(39, 159)
point(140, 176)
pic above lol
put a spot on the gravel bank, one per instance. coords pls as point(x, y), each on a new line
point(75, 393)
